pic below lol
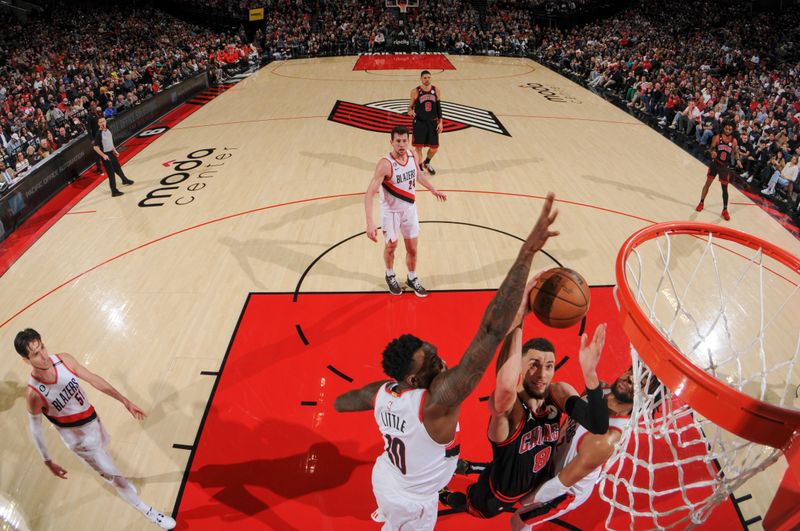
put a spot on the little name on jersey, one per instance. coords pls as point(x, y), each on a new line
point(536, 437)
point(66, 395)
point(390, 420)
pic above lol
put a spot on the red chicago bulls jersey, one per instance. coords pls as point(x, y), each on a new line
point(519, 460)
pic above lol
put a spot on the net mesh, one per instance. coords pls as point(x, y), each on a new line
point(732, 311)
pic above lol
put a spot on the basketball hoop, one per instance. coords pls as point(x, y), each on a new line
point(720, 333)
point(403, 6)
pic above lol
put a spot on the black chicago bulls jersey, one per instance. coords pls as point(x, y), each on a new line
point(426, 106)
point(725, 149)
point(526, 453)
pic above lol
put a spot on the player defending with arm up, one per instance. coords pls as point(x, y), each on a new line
point(417, 410)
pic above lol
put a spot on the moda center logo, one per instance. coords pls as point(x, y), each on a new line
point(383, 116)
point(553, 94)
point(188, 177)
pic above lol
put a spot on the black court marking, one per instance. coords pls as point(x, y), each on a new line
point(583, 323)
point(301, 334)
point(193, 448)
point(562, 362)
point(483, 399)
point(752, 521)
point(308, 403)
point(209, 373)
point(183, 446)
point(565, 525)
point(335, 245)
point(339, 373)
point(743, 498)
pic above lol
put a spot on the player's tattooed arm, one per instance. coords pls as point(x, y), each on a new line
point(453, 387)
point(358, 399)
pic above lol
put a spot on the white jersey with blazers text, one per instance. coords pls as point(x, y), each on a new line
point(398, 190)
point(67, 404)
point(418, 465)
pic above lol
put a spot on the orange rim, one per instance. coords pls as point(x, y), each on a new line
point(736, 412)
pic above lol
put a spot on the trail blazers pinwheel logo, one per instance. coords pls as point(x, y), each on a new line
point(382, 116)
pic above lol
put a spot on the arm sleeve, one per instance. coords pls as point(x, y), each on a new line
point(439, 108)
point(592, 415)
point(35, 424)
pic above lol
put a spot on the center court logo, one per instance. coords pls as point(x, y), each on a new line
point(383, 116)
point(188, 176)
point(553, 94)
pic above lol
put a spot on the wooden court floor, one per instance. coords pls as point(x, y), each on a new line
point(149, 296)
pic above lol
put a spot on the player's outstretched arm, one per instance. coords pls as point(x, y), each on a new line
point(99, 383)
point(452, 387)
point(422, 178)
point(358, 399)
point(509, 367)
point(592, 413)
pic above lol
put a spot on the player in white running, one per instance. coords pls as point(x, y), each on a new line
point(55, 392)
point(417, 410)
point(579, 458)
point(395, 177)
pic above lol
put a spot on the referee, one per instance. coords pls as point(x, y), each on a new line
point(104, 146)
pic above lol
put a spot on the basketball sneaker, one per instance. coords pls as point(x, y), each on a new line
point(160, 519)
point(430, 168)
point(452, 499)
point(725, 215)
point(699, 206)
point(415, 284)
point(394, 286)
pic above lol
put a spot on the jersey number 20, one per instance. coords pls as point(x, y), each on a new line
point(396, 450)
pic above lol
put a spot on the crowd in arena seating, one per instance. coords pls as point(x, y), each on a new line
point(688, 69)
point(692, 69)
point(94, 61)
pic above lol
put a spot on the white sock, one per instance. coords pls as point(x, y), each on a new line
point(128, 493)
point(412, 275)
point(390, 272)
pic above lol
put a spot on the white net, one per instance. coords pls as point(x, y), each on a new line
point(734, 313)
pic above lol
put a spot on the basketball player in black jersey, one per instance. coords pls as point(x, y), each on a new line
point(426, 109)
point(724, 151)
point(525, 415)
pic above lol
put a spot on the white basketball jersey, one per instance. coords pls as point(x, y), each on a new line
point(67, 404)
point(399, 191)
point(418, 465)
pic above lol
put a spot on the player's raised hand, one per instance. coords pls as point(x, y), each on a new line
point(134, 410)
point(56, 470)
point(541, 231)
point(589, 355)
point(524, 306)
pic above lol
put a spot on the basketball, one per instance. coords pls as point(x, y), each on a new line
point(560, 297)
